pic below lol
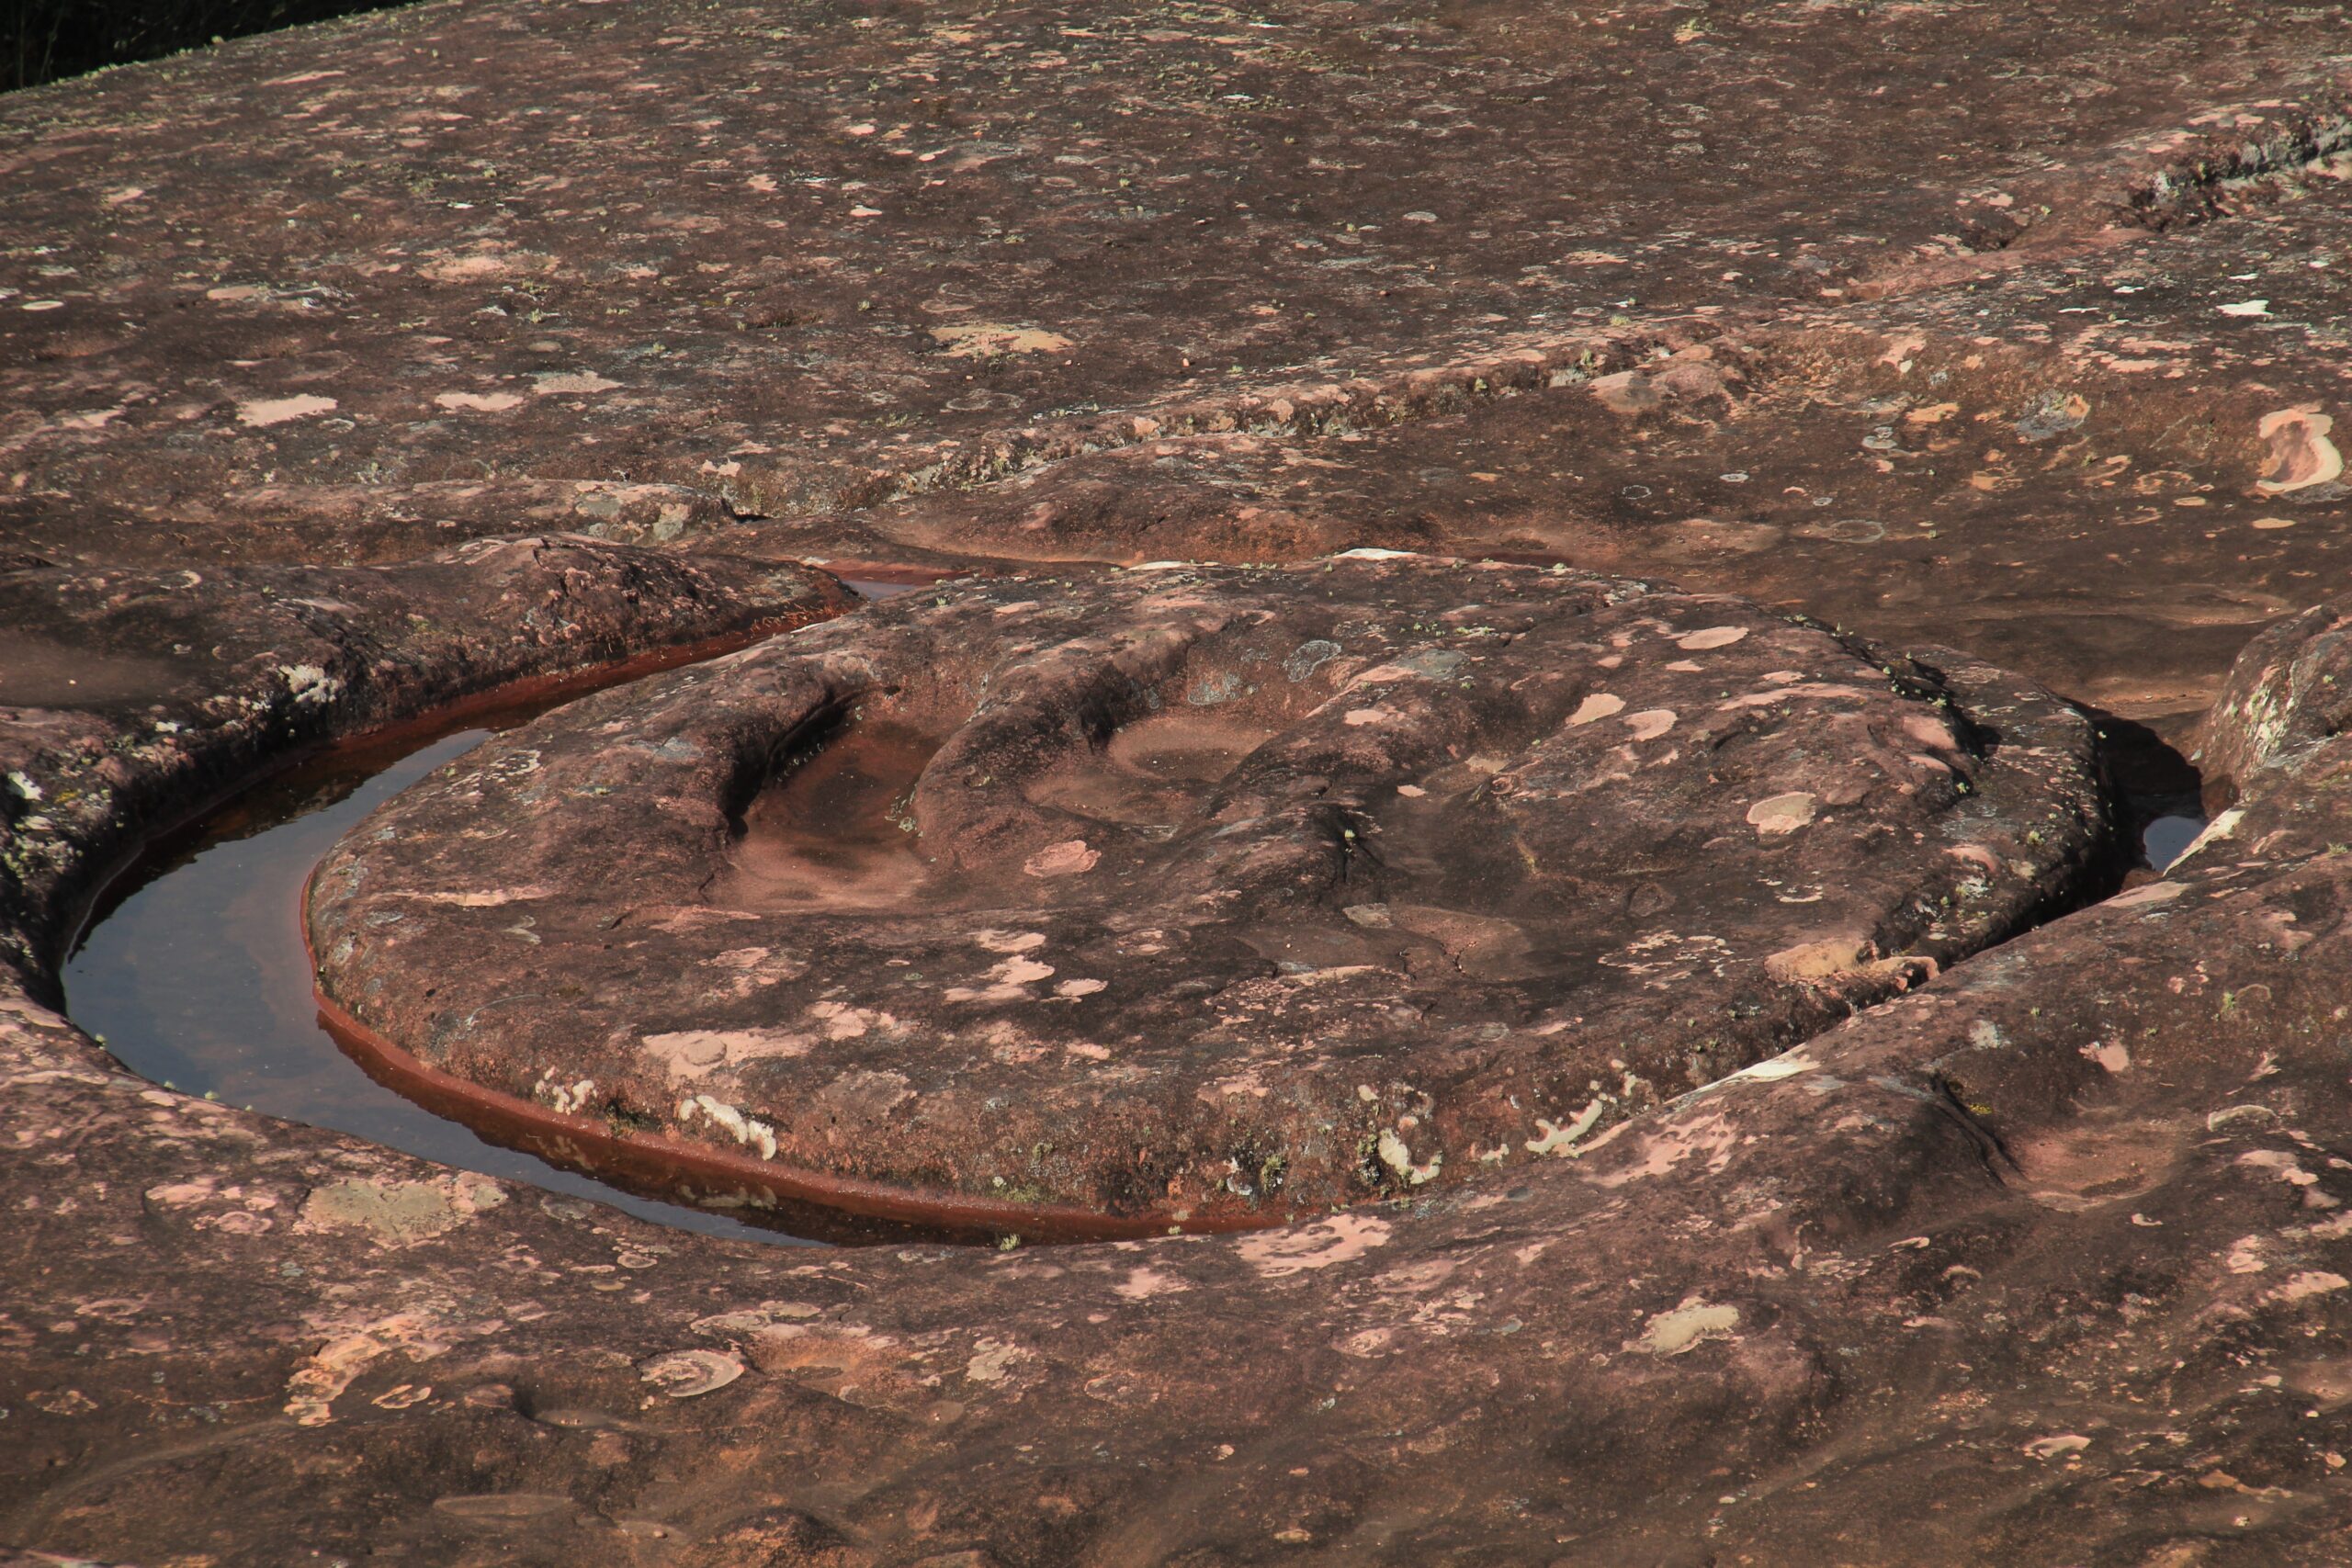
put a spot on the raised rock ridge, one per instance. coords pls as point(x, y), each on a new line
point(129, 696)
point(1201, 895)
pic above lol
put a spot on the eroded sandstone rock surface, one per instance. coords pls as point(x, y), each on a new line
point(2050, 1249)
point(1202, 893)
point(2016, 328)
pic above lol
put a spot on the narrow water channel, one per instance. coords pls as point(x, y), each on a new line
point(198, 979)
point(194, 973)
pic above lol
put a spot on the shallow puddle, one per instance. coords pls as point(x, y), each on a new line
point(2166, 839)
point(193, 970)
point(197, 977)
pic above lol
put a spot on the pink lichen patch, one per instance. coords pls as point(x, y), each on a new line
point(984, 339)
point(1650, 723)
point(1596, 707)
point(1343, 1238)
point(480, 402)
point(264, 411)
point(1068, 858)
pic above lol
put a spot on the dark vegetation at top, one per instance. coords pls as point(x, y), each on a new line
point(42, 41)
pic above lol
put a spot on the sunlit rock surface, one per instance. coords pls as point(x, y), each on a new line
point(2016, 330)
point(1203, 895)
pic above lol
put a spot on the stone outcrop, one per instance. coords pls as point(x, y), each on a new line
point(1197, 896)
point(131, 697)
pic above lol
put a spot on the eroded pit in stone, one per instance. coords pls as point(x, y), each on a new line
point(1196, 896)
point(831, 828)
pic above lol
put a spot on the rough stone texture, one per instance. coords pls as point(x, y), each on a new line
point(2287, 694)
point(2083, 468)
point(2050, 1250)
point(887, 230)
point(128, 697)
point(750, 274)
point(1203, 893)
point(1815, 1314)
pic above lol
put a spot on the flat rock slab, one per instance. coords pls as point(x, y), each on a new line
point(2104, 471)
point(1201, 894)
point(501, 245)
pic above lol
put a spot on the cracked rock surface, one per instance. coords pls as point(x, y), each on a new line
point(1201, 892)
point(2049, 1248)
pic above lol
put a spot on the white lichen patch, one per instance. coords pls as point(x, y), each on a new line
point(1687, 1327)
point(1560, 1137)
point(563, 383)
point(2300, 455)
point(748, 1131)
point(1398, 1156)
point(566, 1099)
point(310, 684)
point(399, 1213)
point(694, 1053)
point(991, 1358)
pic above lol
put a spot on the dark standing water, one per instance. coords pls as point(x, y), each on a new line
point(2164, 839)
point(198, 978)
point(196, 975)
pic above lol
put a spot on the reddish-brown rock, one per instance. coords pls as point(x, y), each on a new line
point(2048, 1251)
point(2022, 328)
point(1199, 894)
